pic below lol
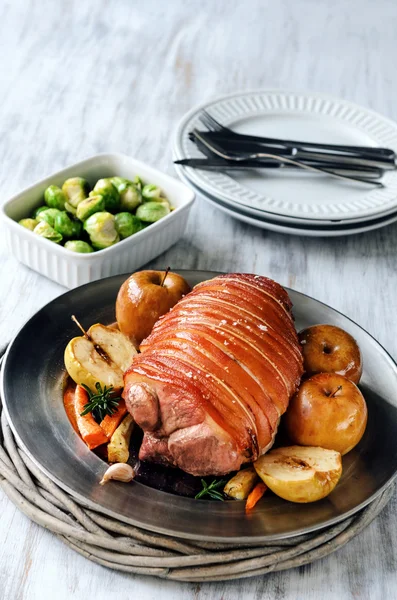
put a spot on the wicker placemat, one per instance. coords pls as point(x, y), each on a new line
point(118, 545)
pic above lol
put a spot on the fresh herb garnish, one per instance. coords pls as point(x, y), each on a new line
point(103, 403)
point(211, 490)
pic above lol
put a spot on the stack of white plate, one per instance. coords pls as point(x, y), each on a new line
point(289, 201)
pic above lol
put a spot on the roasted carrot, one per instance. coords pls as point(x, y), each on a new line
point(255, 495)
point(89, 429)
point(68, 402)
point(110, 423)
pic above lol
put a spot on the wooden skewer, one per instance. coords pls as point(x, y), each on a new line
point(79, 325)
point(97, 347)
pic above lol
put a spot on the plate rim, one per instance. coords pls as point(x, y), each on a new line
point(193, 176)
point(282, 220)
point(290, 229)
point(183, 535)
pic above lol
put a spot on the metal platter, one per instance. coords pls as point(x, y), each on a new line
point(32, 376)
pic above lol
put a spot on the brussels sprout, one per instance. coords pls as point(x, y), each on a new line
point(48, 232)
point(150, 192)
point(130, 194)
point(78, 246)
point(138, 182)
point(48, 215)
point(105, 188)
point(101, 227)
point(77, 228)
point(28, 223)
point(120, 183)
point(152, 211)
point(163, 201)
point(70, 209)
point(66, 226)
point(54, 197)
point(127, 224)
point(38, 211)
point(75, 190)
point(89, 206)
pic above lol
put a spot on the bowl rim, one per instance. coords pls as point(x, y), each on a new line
point(185, 203)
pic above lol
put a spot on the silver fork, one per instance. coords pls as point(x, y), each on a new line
point(380, 153)
point(243, 156)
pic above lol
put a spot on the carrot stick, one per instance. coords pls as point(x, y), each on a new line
point(255, 495)
point(89, 429)
point(68, 402)
point(110, 423)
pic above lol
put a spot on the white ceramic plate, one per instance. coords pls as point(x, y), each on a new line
point(313, 230)
point(313, 117)
point(256, 213)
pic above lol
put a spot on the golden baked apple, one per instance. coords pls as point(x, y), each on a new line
point(144, 297)
point(329, 411)
point(329, 349)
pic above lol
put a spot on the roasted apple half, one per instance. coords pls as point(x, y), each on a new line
point(299, 473)
point(102, 355)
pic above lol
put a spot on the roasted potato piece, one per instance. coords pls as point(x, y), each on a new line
point(240, 486)
point(118, 447)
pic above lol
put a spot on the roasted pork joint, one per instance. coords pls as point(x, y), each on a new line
point(215, 375)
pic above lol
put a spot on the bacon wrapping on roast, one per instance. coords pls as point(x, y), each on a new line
point(215, 375)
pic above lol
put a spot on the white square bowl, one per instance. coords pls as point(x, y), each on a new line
point(72, 269)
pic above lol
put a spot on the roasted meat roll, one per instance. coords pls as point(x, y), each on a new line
point(215, 375)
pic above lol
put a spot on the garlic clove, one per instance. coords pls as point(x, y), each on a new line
point(119, 472)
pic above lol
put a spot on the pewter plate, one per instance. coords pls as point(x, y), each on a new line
point(32, 391)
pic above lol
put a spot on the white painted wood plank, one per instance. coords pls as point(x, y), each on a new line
point(81, 78)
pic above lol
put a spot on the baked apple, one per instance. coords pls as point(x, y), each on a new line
point(329, 411)
point(144, 297)
point(329, 349)
point(300, 474)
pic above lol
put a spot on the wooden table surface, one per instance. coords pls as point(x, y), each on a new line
point(78, 78)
